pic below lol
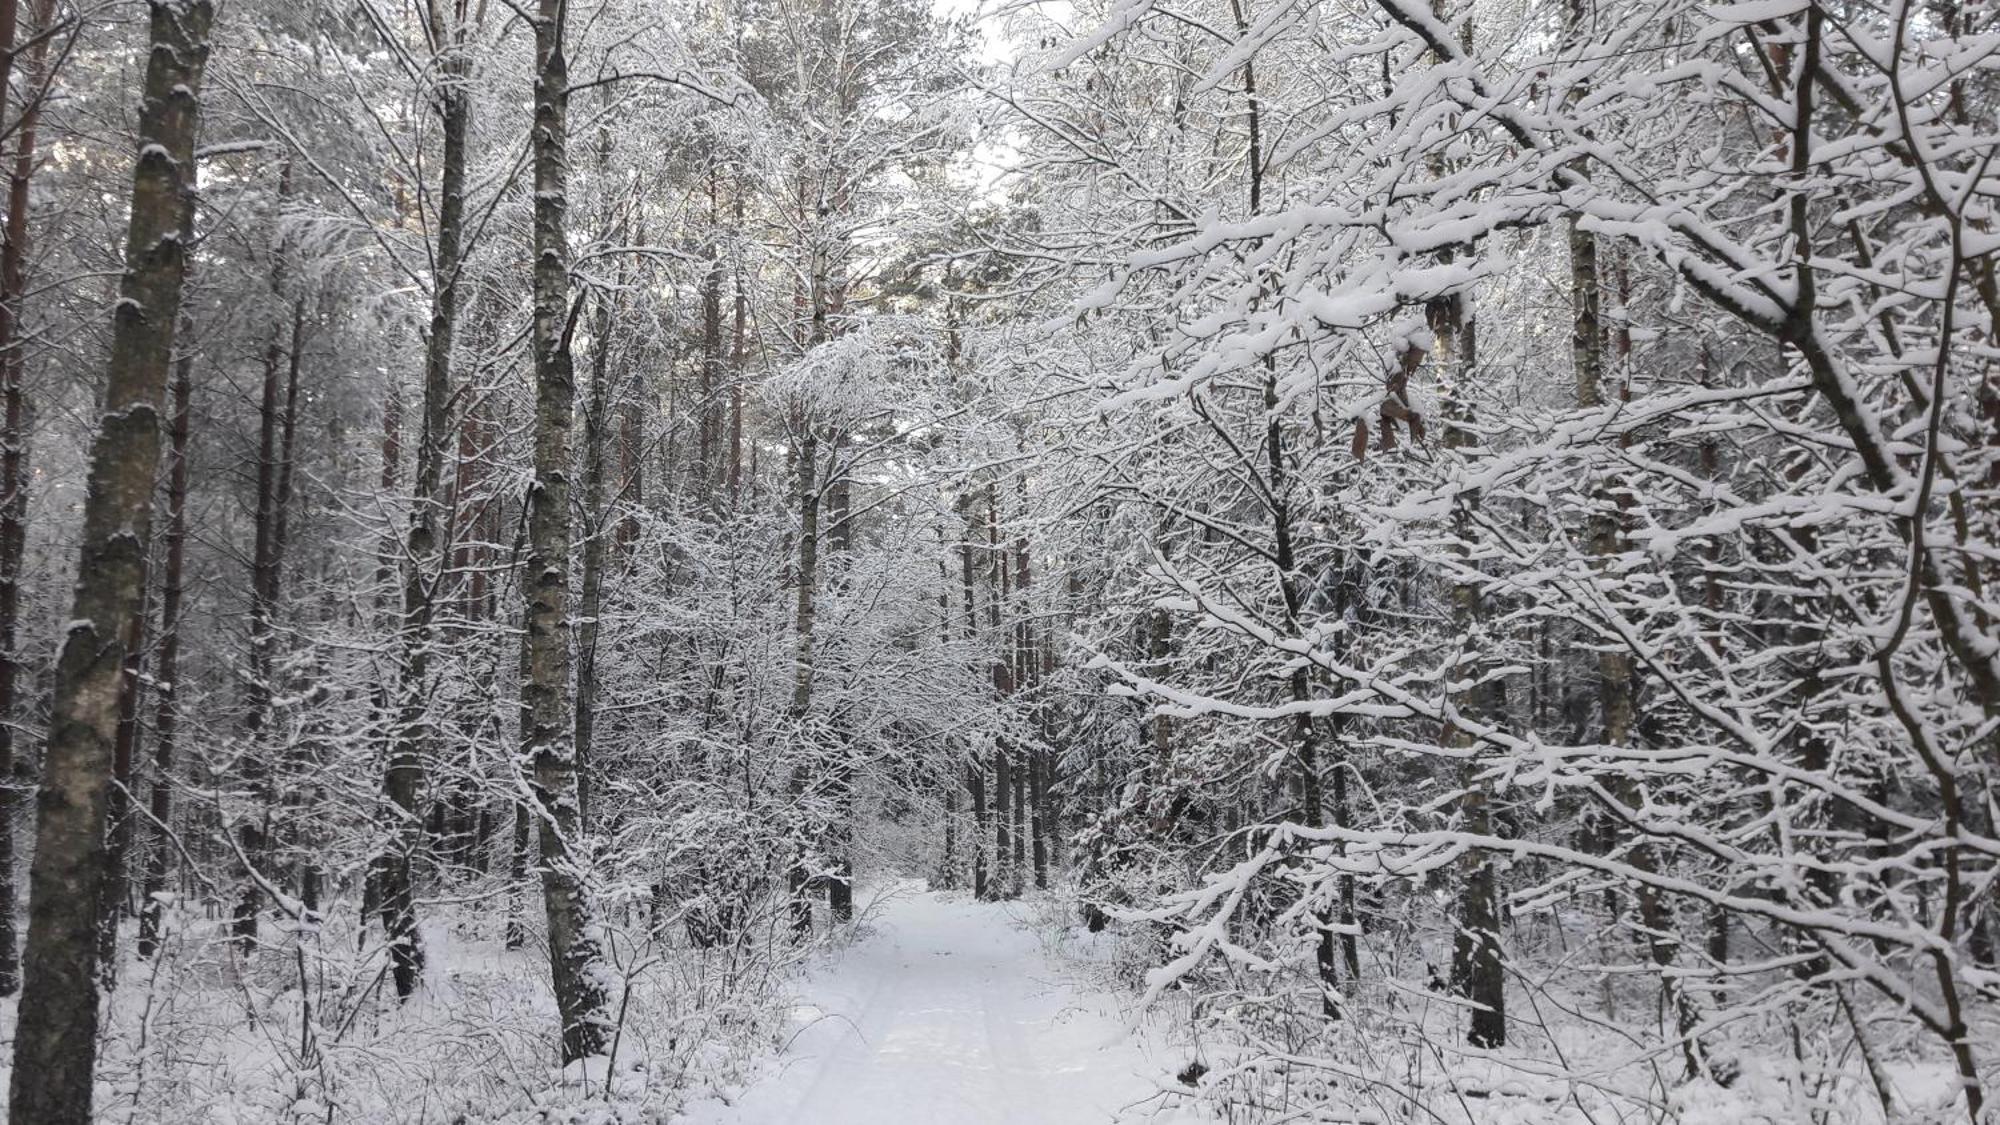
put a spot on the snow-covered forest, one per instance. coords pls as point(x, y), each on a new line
point(1251, 561)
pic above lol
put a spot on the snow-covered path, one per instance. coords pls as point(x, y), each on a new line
point(948, 1014)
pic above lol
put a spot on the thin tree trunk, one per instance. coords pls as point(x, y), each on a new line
point(517, 878)
point(118, 802)
point(798, 878)
point(14, 440)
point(1615, 673)
point(266, 564)
point(975, 770)
point(708, 410)
point(1022, 765)
point(1304, 732)
point(297, 854)
point(166, 723)
point(840, 835)
point(55, 1043)
point(548, 736)
point(738, 354)
point(1006, 876)
point(1477, 972)
point(596, 430)
point(404, 779)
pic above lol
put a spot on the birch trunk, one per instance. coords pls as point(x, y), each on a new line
point(547, 735)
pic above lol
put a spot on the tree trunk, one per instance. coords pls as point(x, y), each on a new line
point(14, 440)
point(804, 612)
point(1003, 820)
point(266, 566)
point(118, 801)
point(403, 781)
point(517, 878)
point(738, 354)
point(975, 769)
point(548, 736)
point(708, 425)
point(166, 723)
point(1614, 665)
point(596, 531)
point(840, 553)
point(55, 1044)
point(1304, 733)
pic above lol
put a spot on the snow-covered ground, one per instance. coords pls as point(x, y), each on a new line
point(949, 1013)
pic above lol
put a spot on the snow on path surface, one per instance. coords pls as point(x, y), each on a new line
point(949, 1014)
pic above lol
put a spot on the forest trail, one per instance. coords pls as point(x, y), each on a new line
point(950, 1013)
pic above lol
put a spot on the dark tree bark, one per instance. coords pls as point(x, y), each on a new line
point(14, 437)
point(166, 721)
point(840, 783)
point(597, 504)
point(1477, 974)
point(739, 353)
point(404, 780)
point(55, 1044)
point(708, 408)
point(596, 534)
point(975, 769)
point(590, 603)
point(1304, 772)
point(798, 878)
point(517, 877)
point(266, 568)
point(1006, 873)
point(118, 801)
point(548, 737)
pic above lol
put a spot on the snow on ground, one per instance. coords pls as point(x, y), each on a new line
point(948, 1013)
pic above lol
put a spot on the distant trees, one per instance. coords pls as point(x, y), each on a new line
point(329, 734)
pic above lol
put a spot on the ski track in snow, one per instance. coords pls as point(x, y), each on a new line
point(950, 1014)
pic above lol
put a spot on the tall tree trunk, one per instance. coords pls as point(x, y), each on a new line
point(1477, 972)
point(118, 801)
point(708, 415)
point(266, 565)
point(548, 737)
point(517, 878)
point(404, 779)
point(166, 722)
point(738, 351)
point(590, 602)
point(55, 1043)
point(1006, 876)
point(804, 613)
point(14, 437)
point(1304, 734)
point(596, 525)
point(840, 552)
point(975, 769)
point(1003, 821)
point(1022, 765)
point(296, 854)
point(1615, 673)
